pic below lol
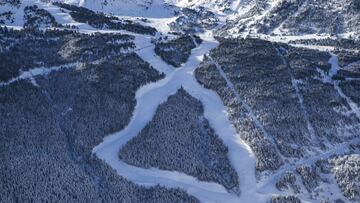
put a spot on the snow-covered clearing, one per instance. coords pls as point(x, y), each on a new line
point(61, 15)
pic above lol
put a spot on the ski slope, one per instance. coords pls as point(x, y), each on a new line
point(149, 97)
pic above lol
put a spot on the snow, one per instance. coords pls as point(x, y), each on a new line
point(161, 23)
point(59, 15)
point(315, 47)
point(334, 61)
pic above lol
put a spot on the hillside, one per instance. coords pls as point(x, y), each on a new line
point(180, 101)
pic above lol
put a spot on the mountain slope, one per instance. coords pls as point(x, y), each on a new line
point(299, 17)
point(180, 101)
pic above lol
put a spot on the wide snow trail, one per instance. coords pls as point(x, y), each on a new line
point(149, 97)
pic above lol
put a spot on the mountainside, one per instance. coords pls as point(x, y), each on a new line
point(180, 101)
point(300, 17)
point(255, 16)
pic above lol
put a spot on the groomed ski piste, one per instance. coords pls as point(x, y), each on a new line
point(149, 97)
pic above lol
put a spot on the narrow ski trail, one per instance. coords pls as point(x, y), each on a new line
point(295, 85)
point(249, 110)
point(149, 97)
